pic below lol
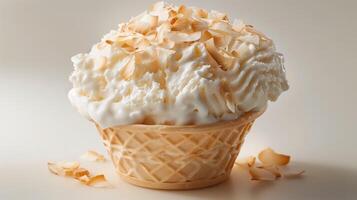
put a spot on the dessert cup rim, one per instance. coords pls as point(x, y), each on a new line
point(243, 119)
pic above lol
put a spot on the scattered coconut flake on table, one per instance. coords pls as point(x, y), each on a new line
point(272, 166)
point(93, 156)
point(270, 157)
point(77, 173)
point(98, 181)
point(63, 168)
point(260, 174)
point(291, 172)
point(52, 167)
point(73, 170)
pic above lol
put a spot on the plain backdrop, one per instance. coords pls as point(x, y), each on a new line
point(314, 122)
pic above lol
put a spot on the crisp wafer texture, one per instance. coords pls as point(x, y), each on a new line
point(176, 157)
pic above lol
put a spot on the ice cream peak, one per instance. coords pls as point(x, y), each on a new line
point(177, 66)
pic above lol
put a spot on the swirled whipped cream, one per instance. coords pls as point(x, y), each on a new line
point(177, 66)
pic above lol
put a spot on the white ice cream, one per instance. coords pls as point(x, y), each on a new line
point(177, 66)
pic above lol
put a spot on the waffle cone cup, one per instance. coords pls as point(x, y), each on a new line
point(176, 157)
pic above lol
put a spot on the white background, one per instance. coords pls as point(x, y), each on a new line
point(314, 122)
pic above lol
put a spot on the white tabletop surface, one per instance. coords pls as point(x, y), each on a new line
point(314, 122)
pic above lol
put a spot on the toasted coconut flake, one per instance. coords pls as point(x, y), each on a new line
point(245, 51)
point(272, 169)
point(167, 44)
point(273, 166)
point(77, 173)
point(291, 172)
point(162, 31)
point(94, 181)
point(98, 181)
point(217, 15)
point(206, 35)
point(67, 172)
point(93, 156)
point(269, 157)
point(162, 15)
point(83, 179)
point(72, 170)
point(199, 25)
point(62, 168)
point(183, 37)
point(143, 43)
point(149, 37)
point(255, 32)
point(222, 58)
point(69, 165)
point(259, 174)
point(54, 169)
point(222, 42)
point(233, 45)
point(160, 9)
point(181, 23)
point(222, 27)
point(144, 23)
point(172, 13)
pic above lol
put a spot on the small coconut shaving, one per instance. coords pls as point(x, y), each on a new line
point(271, 167)
point(74, 171)
point(260, 174)
point(270, 157)
point(77, 173)
point(98, 181)
point(291, 172)
point(63, 168)
point(93, 156)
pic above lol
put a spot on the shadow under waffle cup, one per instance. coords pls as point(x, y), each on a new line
point(176, 157)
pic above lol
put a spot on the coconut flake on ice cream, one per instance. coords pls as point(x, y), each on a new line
point(177, 66)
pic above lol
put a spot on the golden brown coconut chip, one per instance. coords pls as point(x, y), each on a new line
point(272, 169)
point(52, 167)
point(94, 181)
point(270, 157)
point(176, 36)
point(63, 168)
point(73, 170)
point(93, 156)
point(77, 173)
point(273, 166)
point(291, 172)
point(98, 181)
point(259, 174)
